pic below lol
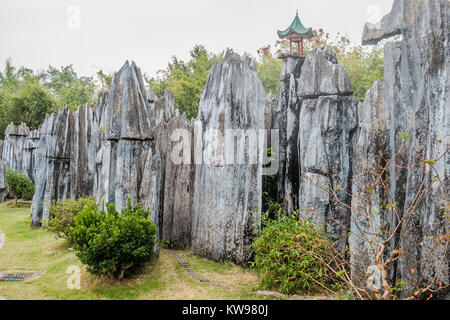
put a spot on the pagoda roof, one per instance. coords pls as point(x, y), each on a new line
point(296, 29)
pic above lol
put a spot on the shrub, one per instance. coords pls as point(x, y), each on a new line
point(112, 243)
point(291, 256)
point(62, 213)
point(19, 185)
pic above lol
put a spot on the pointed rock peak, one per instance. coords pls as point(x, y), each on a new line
point(233, 57)
point(21, 130)
point(127, 107)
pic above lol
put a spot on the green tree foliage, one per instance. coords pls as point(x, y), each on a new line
point(62, 213)
point(30, 104)
point(364, 67)
point(112, 243)
point(19, 185)
point(269, 70)
point(291, 255)
point(105, 80)
point(69, 89)
point(186, 79)
point(26, 96)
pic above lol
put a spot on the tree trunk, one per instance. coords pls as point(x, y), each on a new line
point(15, 202)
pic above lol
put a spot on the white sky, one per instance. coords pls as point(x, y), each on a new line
point(93, 34)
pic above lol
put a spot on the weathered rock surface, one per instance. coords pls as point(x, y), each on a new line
point(225, 195)
point(14, 146)
point(327, 121)
point(3, 169)
point(128, 137)
point(179, 183)
point(413, 98)
point(53, 174)
point(129, 116)
point(370, 147)
point(83, 152)
point(286, 120)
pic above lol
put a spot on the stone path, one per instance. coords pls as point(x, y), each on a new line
point(187, 269)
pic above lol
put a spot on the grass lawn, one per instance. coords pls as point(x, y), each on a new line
point(34, 249)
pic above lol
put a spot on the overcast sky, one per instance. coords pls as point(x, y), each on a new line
point(93, 34)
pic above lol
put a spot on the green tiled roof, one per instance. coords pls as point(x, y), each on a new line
point(295, 28)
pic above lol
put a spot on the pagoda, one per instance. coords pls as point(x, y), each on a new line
point(297, 32)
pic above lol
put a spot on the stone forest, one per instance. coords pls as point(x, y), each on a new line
point(375, 174)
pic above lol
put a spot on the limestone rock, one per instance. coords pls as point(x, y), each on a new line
point(323, 76)
point(53, 163)
point(225, 195)
point(165, 108)
point(83, 152)
point(179, 183)
point(3, 190)
point(415, 94)
point(128, 113)
point(286, 120)
point(326, 128)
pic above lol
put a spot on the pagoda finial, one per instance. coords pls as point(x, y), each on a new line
point(297, 12)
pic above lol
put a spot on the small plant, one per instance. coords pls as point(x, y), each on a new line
point(292, 255)
point(62, 213)
point(19, 185)
point(112, 243)
point(169, 244)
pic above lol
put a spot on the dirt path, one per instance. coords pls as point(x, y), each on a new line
point(187, 269)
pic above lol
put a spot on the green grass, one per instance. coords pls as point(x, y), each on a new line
point(36, 249)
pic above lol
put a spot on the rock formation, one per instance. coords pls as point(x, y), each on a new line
point(286, 120)
point(412, 101)
point(327, 121)
point(53, 174)
point(3, 190)
point(227, 192)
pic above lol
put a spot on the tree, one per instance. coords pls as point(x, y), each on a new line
point(69, 89)
point(186, 80)
point(105, 80)
point(19, 185)
point(112, 243)
point(30, 104)
point(269, 70)
point(26, 96)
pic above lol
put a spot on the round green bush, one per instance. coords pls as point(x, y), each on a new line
point(112, 243)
